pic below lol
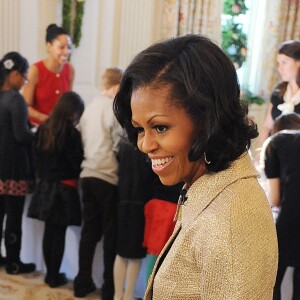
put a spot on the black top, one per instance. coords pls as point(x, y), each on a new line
point(137, 185)
point(15, 137)
point(283, 161)
point(167, 193)
point(277, 99)
point(64, 163)
point(137, 181)
point(135, 174)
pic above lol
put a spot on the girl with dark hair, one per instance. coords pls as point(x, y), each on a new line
point(282, 169)
point(55, 200)
point(287, 121)
point(48, 79)
point(179, 103)
point(15, 163)
point(286, 96)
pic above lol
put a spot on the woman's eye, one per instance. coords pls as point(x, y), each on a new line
point(160, 128)
point(139, 130)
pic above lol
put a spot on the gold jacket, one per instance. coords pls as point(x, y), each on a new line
point(224, 244)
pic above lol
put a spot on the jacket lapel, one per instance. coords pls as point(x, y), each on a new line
point(163, 253)
point(199, 196)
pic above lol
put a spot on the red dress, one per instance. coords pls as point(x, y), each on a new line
point(49, 88)
point(159, 224)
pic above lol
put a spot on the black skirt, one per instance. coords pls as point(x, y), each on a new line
point(56, 203)
point(131, 223)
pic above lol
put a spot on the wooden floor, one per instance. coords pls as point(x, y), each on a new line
point(32, 287)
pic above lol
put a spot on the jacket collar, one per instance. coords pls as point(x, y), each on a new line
point(208, 186)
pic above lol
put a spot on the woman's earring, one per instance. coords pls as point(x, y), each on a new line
point(205, 159)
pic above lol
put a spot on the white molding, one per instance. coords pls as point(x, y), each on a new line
point(9, 25)
point(113, 32)
point(137, 30)
point(88, 91)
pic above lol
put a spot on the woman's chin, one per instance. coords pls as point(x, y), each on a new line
point(168, 181)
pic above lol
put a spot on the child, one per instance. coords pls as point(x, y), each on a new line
point(100, 133)
point(55, 201)
point(15, 167)
point(282, 170)
point(159, 219)
point(135, 189)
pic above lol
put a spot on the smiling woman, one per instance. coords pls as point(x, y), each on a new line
point(286, 95)
point(179, 103)
point(159, 124)
point(48, 79)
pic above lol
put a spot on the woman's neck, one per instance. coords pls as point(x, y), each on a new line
point(52, 65)
point(294, 87)
point(6, 86)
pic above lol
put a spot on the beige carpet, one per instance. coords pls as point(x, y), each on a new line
point(32, 287)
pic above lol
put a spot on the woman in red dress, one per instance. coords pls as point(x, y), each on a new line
point(48, 79)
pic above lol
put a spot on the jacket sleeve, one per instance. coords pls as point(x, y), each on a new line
point(239, 256)
point(74, 151)
point(272, 165)
point(21, 130)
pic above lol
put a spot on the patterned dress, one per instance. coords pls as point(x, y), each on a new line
point(16, 145)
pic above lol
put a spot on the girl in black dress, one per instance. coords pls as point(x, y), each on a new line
point(134, 190)
point(15, 163)
point(55, 200)
point(282, 168)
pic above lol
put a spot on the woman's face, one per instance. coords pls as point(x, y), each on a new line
point(17, 79)
point(166, 134)
point(288, 68)
point(60, 48)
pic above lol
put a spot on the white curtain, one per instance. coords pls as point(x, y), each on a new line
point(273, 21)
point(253, 76)
point(180, 17)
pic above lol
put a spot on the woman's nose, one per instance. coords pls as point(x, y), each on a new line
point(147, 143)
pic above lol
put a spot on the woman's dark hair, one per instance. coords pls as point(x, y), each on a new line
point(204, 82)
point(288, 121)
point(290, 48)
point(68, 109)
point(53, 31)
point(12, 61)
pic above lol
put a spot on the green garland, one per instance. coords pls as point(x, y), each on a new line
point(234, 40)
point(250, 98)
point(73, 27)
point(235, 7)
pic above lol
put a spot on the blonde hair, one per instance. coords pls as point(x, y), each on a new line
point(111, 77)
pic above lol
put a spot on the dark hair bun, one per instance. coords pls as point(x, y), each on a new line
point(51, 27)
point(53, 31)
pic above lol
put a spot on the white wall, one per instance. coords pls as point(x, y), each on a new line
point(113, 32)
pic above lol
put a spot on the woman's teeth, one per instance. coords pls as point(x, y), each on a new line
point(160, 162)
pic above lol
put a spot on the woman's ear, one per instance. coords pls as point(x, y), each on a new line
point(48, 46)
